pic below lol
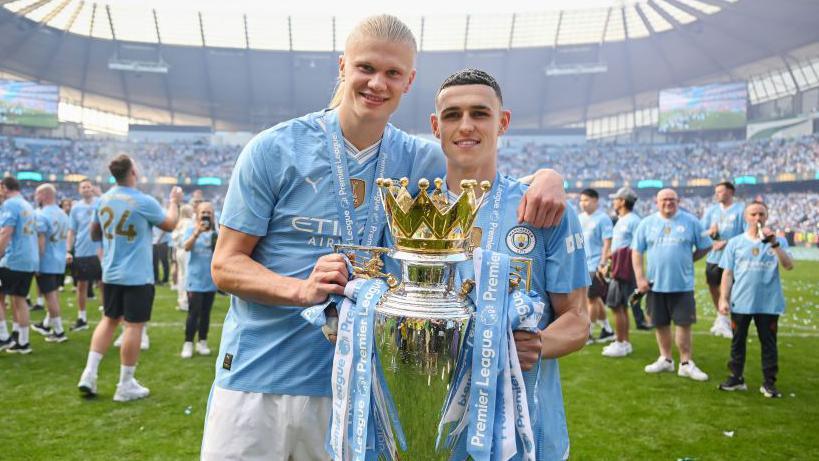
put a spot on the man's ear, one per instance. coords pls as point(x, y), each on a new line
point(433, 121)
point(505, 119)
point(409, 83)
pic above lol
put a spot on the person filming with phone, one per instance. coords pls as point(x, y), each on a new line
point(199, 241)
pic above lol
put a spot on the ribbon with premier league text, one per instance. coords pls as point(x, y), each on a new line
point(486, 414)
point(364, 417)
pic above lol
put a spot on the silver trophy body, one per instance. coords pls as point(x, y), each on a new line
point(419, 331)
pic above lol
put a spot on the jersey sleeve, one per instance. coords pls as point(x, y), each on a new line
point(73, 224)
point(42, 223)
point(606, 228)
point(639, 242)
point(8, 217)
point(726, 261)
point(565, 261)
point(701, 238)
point(151, 210)
point(253, 190)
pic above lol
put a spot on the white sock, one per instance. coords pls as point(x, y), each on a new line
point(57, 323)
point(40, 300)
point(47, 320)
point(93, 363)
point(15, 326)
point(82, 316)
point(606, 325)
point(126, 373)
point(4, 331)
point(23, 332)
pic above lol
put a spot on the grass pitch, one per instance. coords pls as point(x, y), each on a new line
point(615, 411)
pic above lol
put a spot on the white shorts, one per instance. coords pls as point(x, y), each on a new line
point(254, 426)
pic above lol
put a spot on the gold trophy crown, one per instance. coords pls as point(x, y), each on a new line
point(429, 223)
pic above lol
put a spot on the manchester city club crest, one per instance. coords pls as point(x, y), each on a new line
point(755, 251)
point(520, 240)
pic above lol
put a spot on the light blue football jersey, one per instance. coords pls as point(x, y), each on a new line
point(282, 191)
point(198, 277)
point(623, 232)
point(22, 253)
point(80, 221)
point(757, 288)
point(596, 228)
point(729, 221)
point(127, 216)
point(558, 266)
point(53, 223)
point(667, 244)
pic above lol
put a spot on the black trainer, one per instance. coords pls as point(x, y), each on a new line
point(769, 391)
point(7, 343)
point(40, 328)
point(56, 337)
point(644, 326)
point(605, 336)
point(37, 307)
point(19, 349)
point(732, 383)
point(79, 325)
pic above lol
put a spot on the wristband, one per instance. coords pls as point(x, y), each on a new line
point(775, 245)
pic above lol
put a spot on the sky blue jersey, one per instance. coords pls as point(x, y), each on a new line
point(596, 228)
point(52, 222)
point(80, 222)
point(667, 244)
point(282, 190)
point(126, 216)
point(22, 252)
point(558, 266)
point(201, 255)
point(757, 288)
point(729, 221)
point(624, 230)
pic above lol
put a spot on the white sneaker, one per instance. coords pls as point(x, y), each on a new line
point(690, 370)
point(202, 348)
point(130, 390)
point(722, 327)
point(187, 350)
point(145, 344)
point(617, 349)
point(118, 341)
point(725, 332)
point(182, 308)
point(662, 364)
point(88, 384)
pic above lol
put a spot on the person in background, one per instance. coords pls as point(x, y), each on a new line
point(597, 230)
point(199, 240)
point(85, 253)
point(181, 256)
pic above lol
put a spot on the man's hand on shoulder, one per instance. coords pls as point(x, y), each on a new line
point(545, 201)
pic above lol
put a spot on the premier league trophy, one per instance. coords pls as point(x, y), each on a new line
point(421, 321)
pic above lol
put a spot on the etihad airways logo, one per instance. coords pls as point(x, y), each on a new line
point(318, 231)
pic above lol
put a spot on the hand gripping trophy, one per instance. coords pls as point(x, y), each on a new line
point(412, 353)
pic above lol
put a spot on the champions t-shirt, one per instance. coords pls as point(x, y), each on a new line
point(729, 222)
point(22, 253)
point(757, 288)
point(667, 244)
point(201, 255)
point(53, 223)
point(126, 217)
point(282, 191)
point(596, 228)
point(80, 221)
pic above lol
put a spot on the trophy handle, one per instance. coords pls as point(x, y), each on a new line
point(372, 267)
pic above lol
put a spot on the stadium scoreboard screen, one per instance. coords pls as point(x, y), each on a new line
point(28, 104)
point(717, 106)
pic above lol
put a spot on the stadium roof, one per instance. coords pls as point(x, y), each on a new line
point(247, 67)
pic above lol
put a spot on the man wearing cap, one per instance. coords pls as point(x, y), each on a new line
point(622, 282)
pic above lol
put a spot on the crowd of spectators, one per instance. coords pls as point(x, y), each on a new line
point(518, 157)
point(667, 162)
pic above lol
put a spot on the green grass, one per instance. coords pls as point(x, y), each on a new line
point(615, 411)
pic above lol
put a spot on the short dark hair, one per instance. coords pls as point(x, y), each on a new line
point(471, 77)
point(727, 185)
point(11, 183)
point(120, 166)
point(629, 204)
point(590, 193)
